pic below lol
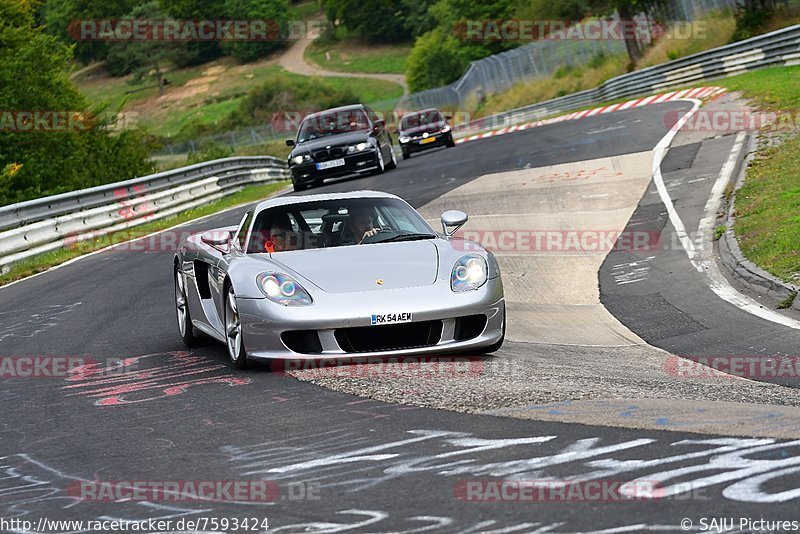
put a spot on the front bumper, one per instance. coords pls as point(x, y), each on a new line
point(416, 145)
point(307, 173)
point(264, 322)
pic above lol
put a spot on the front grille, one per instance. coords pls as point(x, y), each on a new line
point(328, 154)
point(389, 337)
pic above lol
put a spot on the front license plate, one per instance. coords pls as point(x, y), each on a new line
point(332, 163)
point(390, 318)
point(427, 140)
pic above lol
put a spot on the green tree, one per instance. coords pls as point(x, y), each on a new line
point(272, 11)
point(196, 52)
point(60, 15)
point(143, 58)
point(436, 59)
point(375, 20)
point(33, 76)
point(441, 55)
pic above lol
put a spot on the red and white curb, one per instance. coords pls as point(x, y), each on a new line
point(698, 92)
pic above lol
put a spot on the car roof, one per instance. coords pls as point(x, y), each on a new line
point(351, 107)
point(301, 199)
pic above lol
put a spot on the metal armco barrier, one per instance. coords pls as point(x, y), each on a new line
point(781, 47)
point(46, 224)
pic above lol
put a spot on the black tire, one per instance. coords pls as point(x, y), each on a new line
point(450, 143)
point(298, 187)
point(392, 162)
point(494, 347)
point(406, 154)
point(381, 165)
point(240, 358)
point(185, 326)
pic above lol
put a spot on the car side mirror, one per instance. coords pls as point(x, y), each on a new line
point(448, 117)
point(452, 220)
point(378, 125)
point(290, 142)
point(219, 240)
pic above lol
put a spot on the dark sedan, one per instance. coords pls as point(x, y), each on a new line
point(424, 129)
point(338, 142)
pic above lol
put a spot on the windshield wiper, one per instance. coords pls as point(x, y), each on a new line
point(407, 237)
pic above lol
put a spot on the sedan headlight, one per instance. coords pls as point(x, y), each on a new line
point(470, 272)
point(283, 289)
point(360, 147)
point(404, 139)
point(297, 160)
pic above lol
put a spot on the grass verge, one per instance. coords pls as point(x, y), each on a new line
point(767, 217)
point(48, 260)
point(350, 55)
point(208, 95)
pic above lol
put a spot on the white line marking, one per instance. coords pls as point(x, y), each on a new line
point(660, 151)
point(701, 257)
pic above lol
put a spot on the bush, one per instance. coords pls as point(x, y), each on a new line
point(40, 163)
point(436, 59)
point(209, 151)
point(278, 95)
point(749, 23)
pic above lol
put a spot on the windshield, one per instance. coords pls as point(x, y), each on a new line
point(330, 123)
point(423, 118)
point(336, 223)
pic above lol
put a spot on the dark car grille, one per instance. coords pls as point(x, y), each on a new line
point(389, 337)
point(302, 341)
point(328, 154)
point(469, 327)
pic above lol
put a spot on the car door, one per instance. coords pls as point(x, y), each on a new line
point(211, 269)
point(380, 133)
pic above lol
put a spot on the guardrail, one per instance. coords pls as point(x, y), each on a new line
point(781, 47)
point(46, 224)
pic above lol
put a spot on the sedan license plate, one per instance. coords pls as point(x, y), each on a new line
point(427, 140)
point(332, 163)
point(390, 318)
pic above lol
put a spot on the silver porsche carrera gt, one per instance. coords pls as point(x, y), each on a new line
point(335, 276)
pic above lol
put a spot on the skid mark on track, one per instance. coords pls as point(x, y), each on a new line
point(155, 376)
point(29, 322)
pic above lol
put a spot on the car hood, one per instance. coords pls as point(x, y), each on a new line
point(340, 139)
point(433, 127)
point(370, 267)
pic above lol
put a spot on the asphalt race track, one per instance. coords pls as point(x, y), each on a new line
point(344, 463)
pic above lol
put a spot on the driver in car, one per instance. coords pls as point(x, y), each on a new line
point(358, 228)
point(283, 237)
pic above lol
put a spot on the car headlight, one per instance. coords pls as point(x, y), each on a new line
point(283, 289)
point(446, 128)
point(405, 139)
point(297, 160)
point(360, 147)
point(470, 272)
